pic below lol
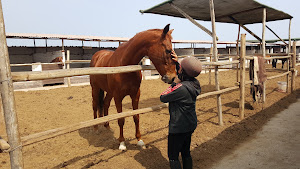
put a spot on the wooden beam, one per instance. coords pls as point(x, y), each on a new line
point(276, 35)
point(192, 20)
point(293, 82)
point(242, 77)
point(246, 29)
point(220, 63)
point(210, 60)
point(215, 54)
point(37, 137)
point(290, 42)
point(277, 76)
point(269, 58)
point(237, 52)
point(8, 101)
point(264, 48)
point(68, 67)
point(50, 74)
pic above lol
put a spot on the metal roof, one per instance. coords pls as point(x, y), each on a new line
point(96, 38)
point(243, 11)
point(68, 37)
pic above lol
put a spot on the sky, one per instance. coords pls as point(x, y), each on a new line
point(119, 18)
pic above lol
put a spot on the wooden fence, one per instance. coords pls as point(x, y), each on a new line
point(25, 76)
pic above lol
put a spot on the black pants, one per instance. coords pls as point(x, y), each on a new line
point(179, 143)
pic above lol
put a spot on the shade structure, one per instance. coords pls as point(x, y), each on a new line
point(226, 11)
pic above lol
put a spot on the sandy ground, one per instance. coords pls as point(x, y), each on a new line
point(48, 109)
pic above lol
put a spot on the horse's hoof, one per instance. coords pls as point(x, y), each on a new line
point(141, 144)
point(106, 124)
point(122, 146)
point(95, 127)
point(4, 145)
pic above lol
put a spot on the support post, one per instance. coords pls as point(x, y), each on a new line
point(8, 101)
point(264, 47)
point(215, 54)
point(293, 85)
point(209, 70)
point(242, 78)
point(68, 67)
point(63, 53)
point(290, 42)
point(288, 60)
point(237, 53)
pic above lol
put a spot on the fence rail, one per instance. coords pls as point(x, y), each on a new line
point(39, 75)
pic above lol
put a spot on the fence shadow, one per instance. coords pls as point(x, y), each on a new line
point(210, 152)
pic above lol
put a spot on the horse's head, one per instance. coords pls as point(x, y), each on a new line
point(58, 59)
point(159, 53)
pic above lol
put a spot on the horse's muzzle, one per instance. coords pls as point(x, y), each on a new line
point(167, 79)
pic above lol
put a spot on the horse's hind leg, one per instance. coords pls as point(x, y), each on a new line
point(100, 105)
point(97, 95)
point(107, 101)
point(135, 103)
point(121, 122)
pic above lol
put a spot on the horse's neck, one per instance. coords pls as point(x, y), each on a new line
point(132, 52)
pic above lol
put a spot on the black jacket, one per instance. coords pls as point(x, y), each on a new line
point(182, 98)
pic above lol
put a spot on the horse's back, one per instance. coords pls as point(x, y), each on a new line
point(101, 58)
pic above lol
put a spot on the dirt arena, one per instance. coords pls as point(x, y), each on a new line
point(48, 109)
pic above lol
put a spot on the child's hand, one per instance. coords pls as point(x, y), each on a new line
point(177, 80)
point(174, 56)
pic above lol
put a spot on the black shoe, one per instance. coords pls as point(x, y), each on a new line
point(187, 163)
point(175, 164)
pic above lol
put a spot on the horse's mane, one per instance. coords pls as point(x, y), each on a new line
point(148, 34)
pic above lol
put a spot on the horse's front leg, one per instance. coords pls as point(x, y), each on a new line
point(121, 122)
point(135, 105)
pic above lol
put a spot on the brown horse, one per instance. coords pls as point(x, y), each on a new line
point(154, 43)
point(58, 59)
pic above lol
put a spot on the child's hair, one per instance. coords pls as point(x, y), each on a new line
point(183, 76)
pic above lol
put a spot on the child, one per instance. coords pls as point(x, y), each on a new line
point(181, 96)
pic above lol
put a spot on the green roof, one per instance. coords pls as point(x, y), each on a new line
point(243, 11)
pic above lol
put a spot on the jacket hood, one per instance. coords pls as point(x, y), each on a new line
point(193, 86)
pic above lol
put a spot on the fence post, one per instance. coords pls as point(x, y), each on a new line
point(8, 100)
point(264, 48)
point(242, 76)
point(238, 53)
point(68, 67)
point(209, 70)
point(293, 87)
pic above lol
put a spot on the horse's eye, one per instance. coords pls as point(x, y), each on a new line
point(168, 51)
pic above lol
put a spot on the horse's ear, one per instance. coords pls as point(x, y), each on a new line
point(166, 29)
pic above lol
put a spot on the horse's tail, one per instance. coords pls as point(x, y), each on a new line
point(101, 103)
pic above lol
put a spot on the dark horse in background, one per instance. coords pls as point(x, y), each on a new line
point(274, 62)
point(154, 43)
